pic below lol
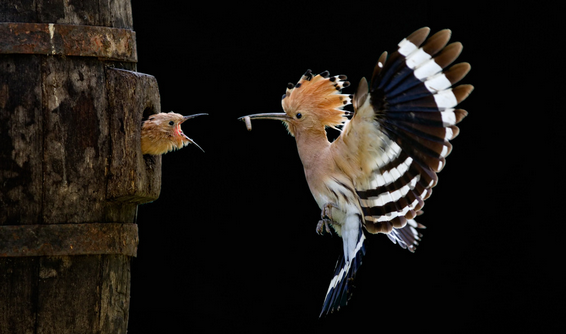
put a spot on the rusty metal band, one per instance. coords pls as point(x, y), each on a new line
point(68, 40)
point(68, 239)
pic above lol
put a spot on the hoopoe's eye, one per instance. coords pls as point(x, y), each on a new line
point(171, 122)
point(299, 116)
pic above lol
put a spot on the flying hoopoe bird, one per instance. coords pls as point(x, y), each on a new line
point(377, 173)
point(161, 133)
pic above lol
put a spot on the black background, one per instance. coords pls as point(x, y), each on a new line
point(230, 245)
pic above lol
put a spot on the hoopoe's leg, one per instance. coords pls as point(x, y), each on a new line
point(325, 219)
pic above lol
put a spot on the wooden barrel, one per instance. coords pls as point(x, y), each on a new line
point(71, 168)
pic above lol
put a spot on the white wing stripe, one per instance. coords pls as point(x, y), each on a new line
point(416, 58)
point(395, 214)
point(426, 70)
point(390, 151)
point(406, 47)
point(448, 117)
point(445, 99)
point(448, 134)
point(394, 196)
point(437, 83)
point(388, 177)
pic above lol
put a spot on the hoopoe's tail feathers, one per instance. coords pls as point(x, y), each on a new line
point(340, 289)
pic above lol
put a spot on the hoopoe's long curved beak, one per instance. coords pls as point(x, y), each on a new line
point(193, 116)
point(275, 116)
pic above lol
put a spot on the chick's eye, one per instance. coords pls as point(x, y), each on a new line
point(171, 122)
point(299, 115)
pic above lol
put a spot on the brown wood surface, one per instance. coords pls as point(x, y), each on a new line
point(70, 154)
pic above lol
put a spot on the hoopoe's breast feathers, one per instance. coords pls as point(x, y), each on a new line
point(400, 131)
point(318, 97)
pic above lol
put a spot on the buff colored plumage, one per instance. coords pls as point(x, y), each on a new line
point(376, 175)
point(161, 133)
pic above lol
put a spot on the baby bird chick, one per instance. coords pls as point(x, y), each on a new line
point(161, 133)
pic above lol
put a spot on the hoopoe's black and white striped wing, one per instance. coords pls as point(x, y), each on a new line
point(408, 113)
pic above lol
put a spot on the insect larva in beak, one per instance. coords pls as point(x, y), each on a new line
point(248, 122)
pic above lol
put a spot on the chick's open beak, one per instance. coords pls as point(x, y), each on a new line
point(181, 131)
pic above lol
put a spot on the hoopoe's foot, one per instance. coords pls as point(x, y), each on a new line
point(325, 219)
point(323, 226)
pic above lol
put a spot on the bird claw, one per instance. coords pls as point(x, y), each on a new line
point(327, 211)
point(325, 219)
point(323, 225)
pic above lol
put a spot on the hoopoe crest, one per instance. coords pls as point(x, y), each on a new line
point(376, 175)
point(317, 98)
point(162, 133)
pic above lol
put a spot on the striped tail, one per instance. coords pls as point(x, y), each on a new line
point(340, 289)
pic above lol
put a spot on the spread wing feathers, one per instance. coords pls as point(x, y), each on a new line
point(340, 289)
point(401, 127)
point(407, 237)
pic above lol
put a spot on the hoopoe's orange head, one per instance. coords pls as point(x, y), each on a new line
point(312, 103)
point(316, 100)
point(161, 133)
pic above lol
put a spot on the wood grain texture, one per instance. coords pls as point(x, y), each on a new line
point(70, 155)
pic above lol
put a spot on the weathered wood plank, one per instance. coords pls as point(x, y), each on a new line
point(76, 145)
point(68, 296)
point(21, 140)
point(132, 177)
point(70, 157)
point(108, 13)
point(68, 239)
point(18, 294)
point(114, 312)
point(68, 40)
